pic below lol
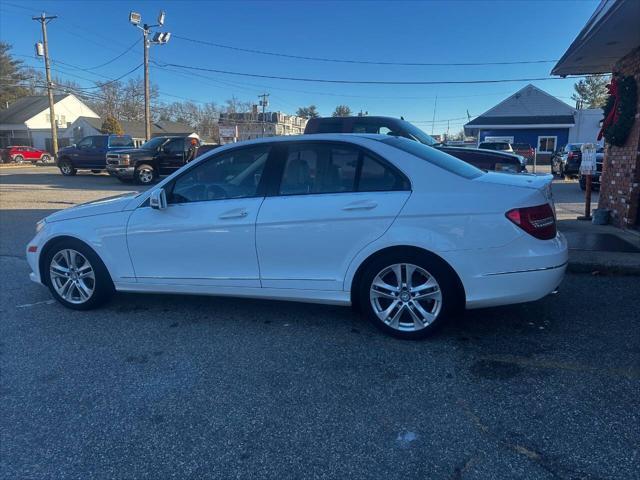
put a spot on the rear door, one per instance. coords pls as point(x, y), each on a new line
point(329, 200)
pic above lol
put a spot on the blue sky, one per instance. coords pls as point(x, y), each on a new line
point(88, 33)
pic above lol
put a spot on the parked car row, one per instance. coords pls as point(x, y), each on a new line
point(117, 155)
point(483, 158)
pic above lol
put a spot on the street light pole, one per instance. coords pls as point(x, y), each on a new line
point(264, 102)
point(158, 39)
point(147, 94)
point(44, 19)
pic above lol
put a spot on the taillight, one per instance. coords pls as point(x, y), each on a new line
point(538, 221)
point(570, 156)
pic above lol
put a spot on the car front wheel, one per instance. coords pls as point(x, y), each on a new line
point(67, 169)
point(145, 174)
point(76, 276)
point(408, 296)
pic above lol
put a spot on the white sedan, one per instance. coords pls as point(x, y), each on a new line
point(405, 232)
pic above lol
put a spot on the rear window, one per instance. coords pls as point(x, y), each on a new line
point(120, 142)
point(435, 156)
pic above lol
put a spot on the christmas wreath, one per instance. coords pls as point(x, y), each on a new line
point(620, 110)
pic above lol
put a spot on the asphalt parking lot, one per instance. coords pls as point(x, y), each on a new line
point(195, 387)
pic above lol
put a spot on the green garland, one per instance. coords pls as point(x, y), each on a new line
point(618, 132)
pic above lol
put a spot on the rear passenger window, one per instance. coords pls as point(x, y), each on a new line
point(328, 168)
point(375, 177)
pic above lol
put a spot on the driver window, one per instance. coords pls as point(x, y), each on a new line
point(85, 142)
point(174, 146)
point(235, 174)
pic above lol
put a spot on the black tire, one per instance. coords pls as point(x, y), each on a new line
point(45, 158)
point(450, 303)
point(103, 288)
point(67, 169)
point(145, 174)
point(18, 158)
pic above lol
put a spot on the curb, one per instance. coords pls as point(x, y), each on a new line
point(16, 165)
point(603, 269)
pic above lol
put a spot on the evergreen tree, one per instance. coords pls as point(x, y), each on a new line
point(111, 125)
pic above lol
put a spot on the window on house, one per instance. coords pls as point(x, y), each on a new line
point(547, 144)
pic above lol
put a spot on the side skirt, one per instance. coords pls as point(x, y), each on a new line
point(296, 295)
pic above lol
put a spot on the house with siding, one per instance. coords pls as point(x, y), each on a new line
point(531, 116)
point(27, 120)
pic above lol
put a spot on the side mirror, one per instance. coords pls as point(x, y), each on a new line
point(158, 199)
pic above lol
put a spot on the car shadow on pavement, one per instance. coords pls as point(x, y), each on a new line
point(51, 178)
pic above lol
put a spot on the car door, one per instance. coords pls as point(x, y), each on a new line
point(332, 199)
point(171, 156)
point(97, 155)
point(81, 155)
point(206, 235)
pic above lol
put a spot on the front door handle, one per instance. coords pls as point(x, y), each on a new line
point(361, 205)
point(235, 213)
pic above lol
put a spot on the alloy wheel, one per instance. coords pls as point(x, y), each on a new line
point(145, 175)
point(405, 297)
point(65, 168)
point(72, 276)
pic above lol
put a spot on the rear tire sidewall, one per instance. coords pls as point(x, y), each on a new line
point(103, 289)
point(45, 159)
point(18, 159)
point(140, 174)
point(451, 302)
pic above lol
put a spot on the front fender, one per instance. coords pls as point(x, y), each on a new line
point(105, 234)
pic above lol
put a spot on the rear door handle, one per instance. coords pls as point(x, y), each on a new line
point(235, 213)
point(362, 205)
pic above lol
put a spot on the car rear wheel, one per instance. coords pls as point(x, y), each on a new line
point(18, 159)
point(76, 276)
point(408, 295)
point(145, 174)
point(45, 158)
point(67, 169)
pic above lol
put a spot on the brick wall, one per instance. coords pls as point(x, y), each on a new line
point(620, 187)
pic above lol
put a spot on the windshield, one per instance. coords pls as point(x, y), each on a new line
point(418, 134)
point(435, 156)
point(153, 144)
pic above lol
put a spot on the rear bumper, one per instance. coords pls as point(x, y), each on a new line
point(525, 270)
point(517, 287)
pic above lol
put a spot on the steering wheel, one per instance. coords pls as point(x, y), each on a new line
point(216, 192)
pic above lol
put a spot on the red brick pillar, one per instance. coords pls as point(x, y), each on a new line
point(620, 186)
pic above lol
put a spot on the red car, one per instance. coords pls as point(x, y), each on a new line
point(19, 154)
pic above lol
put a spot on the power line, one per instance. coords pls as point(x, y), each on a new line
point(114, 58)
point(368, 82)
point(362, 62)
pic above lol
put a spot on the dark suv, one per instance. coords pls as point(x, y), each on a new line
point(159, 156)
point(484, 159)
point(90, 153)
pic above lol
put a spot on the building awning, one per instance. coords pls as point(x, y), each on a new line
point(611, 33)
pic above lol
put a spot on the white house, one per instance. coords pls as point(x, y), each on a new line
point(27, 120)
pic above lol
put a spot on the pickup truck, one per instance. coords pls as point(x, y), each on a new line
point(159, 156)
point(90, 153)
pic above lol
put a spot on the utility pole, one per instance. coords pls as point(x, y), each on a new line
point(159, 38)
point(263, 103)
point(44, 19)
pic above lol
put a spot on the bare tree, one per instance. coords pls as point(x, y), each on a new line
point(341, 111)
